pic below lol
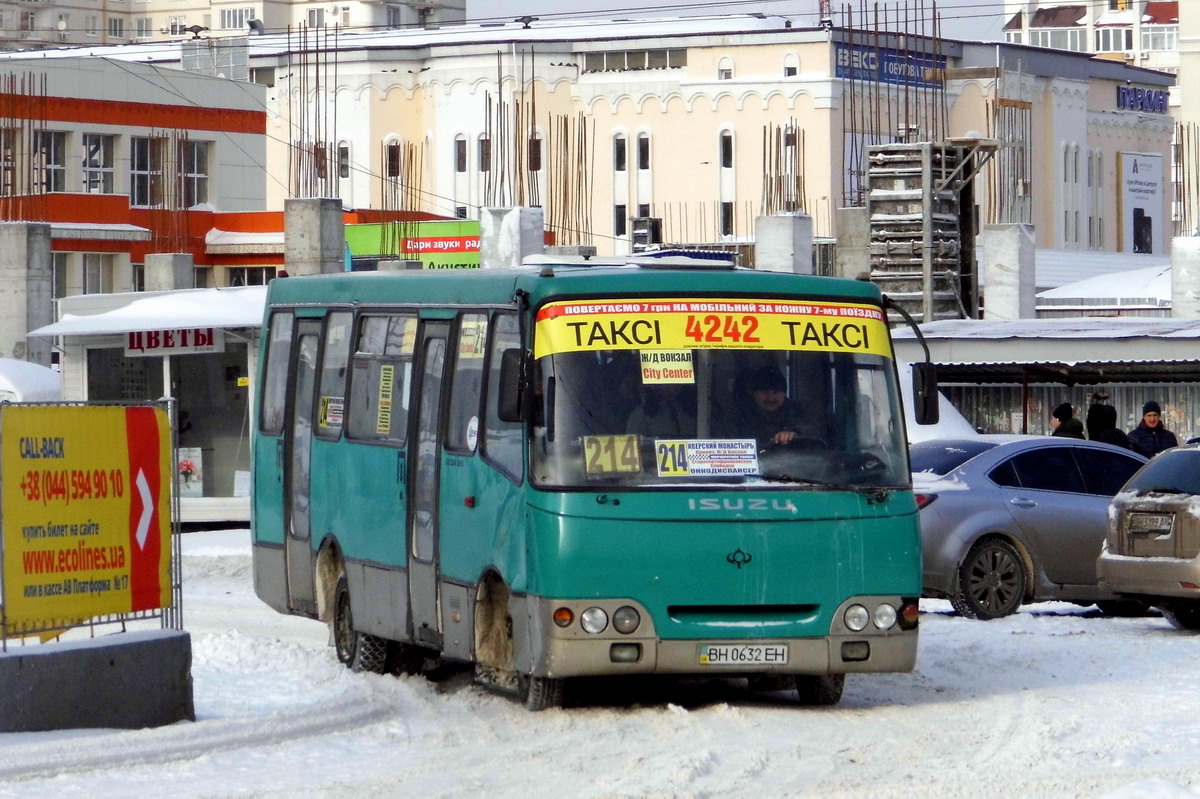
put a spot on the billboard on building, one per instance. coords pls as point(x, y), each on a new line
point(1141, 196)
point(437, 245)
point(86, 522)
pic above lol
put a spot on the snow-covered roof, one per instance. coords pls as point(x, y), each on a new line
point(546, 31)
point(110, 314)
point(1149, 285)
point(22, 381)
point(1057, 268)
point(229, 241)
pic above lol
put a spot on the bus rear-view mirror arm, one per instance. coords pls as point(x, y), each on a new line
point(924, 375)
point(512, 404)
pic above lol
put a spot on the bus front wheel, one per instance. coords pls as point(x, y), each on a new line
point(355, 650)
point(823, 690)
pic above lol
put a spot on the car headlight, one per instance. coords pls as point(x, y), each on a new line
point(593, 620)
point(885, 616)
point(626, 619)
point(856, 618)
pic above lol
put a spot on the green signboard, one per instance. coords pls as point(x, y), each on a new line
point(437, 245)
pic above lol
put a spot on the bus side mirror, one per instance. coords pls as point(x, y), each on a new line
point(510, 405)
point(925, 393)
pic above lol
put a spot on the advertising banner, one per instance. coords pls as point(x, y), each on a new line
point(86, 521)
point(1142, 197)
point(686, 324)
point(437, 245)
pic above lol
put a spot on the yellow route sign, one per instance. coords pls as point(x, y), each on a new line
point(686, 324)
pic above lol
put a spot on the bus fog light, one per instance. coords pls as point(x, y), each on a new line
point(626, 619)
point(563, 617)
point(885, 616)
point(857, 618)
point(855, 651)
point(593, 620)
point(625, 653)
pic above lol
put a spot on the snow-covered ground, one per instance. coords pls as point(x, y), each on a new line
point(1055, 701)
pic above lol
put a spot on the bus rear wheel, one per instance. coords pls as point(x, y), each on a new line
point(355, 650)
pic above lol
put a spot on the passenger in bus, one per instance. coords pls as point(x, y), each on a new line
point(772, 419)
point(664, 412)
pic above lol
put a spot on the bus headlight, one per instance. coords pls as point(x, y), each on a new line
point(857, 618)
point(593, 620)
point(885, 616)
point(626, 619)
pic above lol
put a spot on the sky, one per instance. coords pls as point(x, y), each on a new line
point(1053, 702)
point(961, 19)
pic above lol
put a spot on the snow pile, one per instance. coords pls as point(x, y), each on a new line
point(1055, 701)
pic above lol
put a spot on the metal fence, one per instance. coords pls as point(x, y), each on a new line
point(1000, 409)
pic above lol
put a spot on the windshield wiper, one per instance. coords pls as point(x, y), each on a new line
point(782, 477)
point(1161, 490)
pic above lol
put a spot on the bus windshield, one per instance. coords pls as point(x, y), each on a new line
point(773, 396)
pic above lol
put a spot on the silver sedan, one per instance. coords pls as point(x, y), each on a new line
point(1007, 520)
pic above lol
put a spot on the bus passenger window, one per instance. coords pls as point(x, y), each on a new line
point(274, 398)
point(380, 377)
point(502, 444)
point(331, 401)
point(466, 384)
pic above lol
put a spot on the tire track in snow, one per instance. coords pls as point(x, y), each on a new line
point(187, 740)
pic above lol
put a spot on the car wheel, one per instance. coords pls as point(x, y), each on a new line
point(991, 581)
point(1123, 608)
point(1183, 615)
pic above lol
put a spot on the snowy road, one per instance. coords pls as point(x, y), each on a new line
point(1056, 701)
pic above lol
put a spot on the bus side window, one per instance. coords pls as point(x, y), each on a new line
point(502, 441)
point(462, 427)
point(275, 382)
point(380, 378)
point(331, 399)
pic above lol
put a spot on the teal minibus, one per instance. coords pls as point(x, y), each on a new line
point(562, 470)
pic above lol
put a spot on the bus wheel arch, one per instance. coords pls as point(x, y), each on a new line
point(328, 569)
point(493, 629)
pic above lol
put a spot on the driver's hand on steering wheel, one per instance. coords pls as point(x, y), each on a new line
point(783, 437)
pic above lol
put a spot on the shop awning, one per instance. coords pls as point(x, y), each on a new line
point(1068, 351)
point(110, 314)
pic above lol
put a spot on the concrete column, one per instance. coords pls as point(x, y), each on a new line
point(853, 254)
point(1009, 271)
point(507, 235)
point(1185, 277)
point(784, 243)
point(314, 236)
point(168, 271)
point(26, 290)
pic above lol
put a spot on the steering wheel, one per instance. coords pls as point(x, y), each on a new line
point(799, 442)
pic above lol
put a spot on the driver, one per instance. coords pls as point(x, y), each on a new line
point(771, 418)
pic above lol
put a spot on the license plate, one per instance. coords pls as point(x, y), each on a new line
point(743, 654)
point(1150, 521)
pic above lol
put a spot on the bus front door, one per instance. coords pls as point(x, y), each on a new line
point(423, 508)
point(298, 446)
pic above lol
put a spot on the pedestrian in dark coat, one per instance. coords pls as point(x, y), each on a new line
point(1102, 426)
point(1064, 423)
point(1151, 437)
